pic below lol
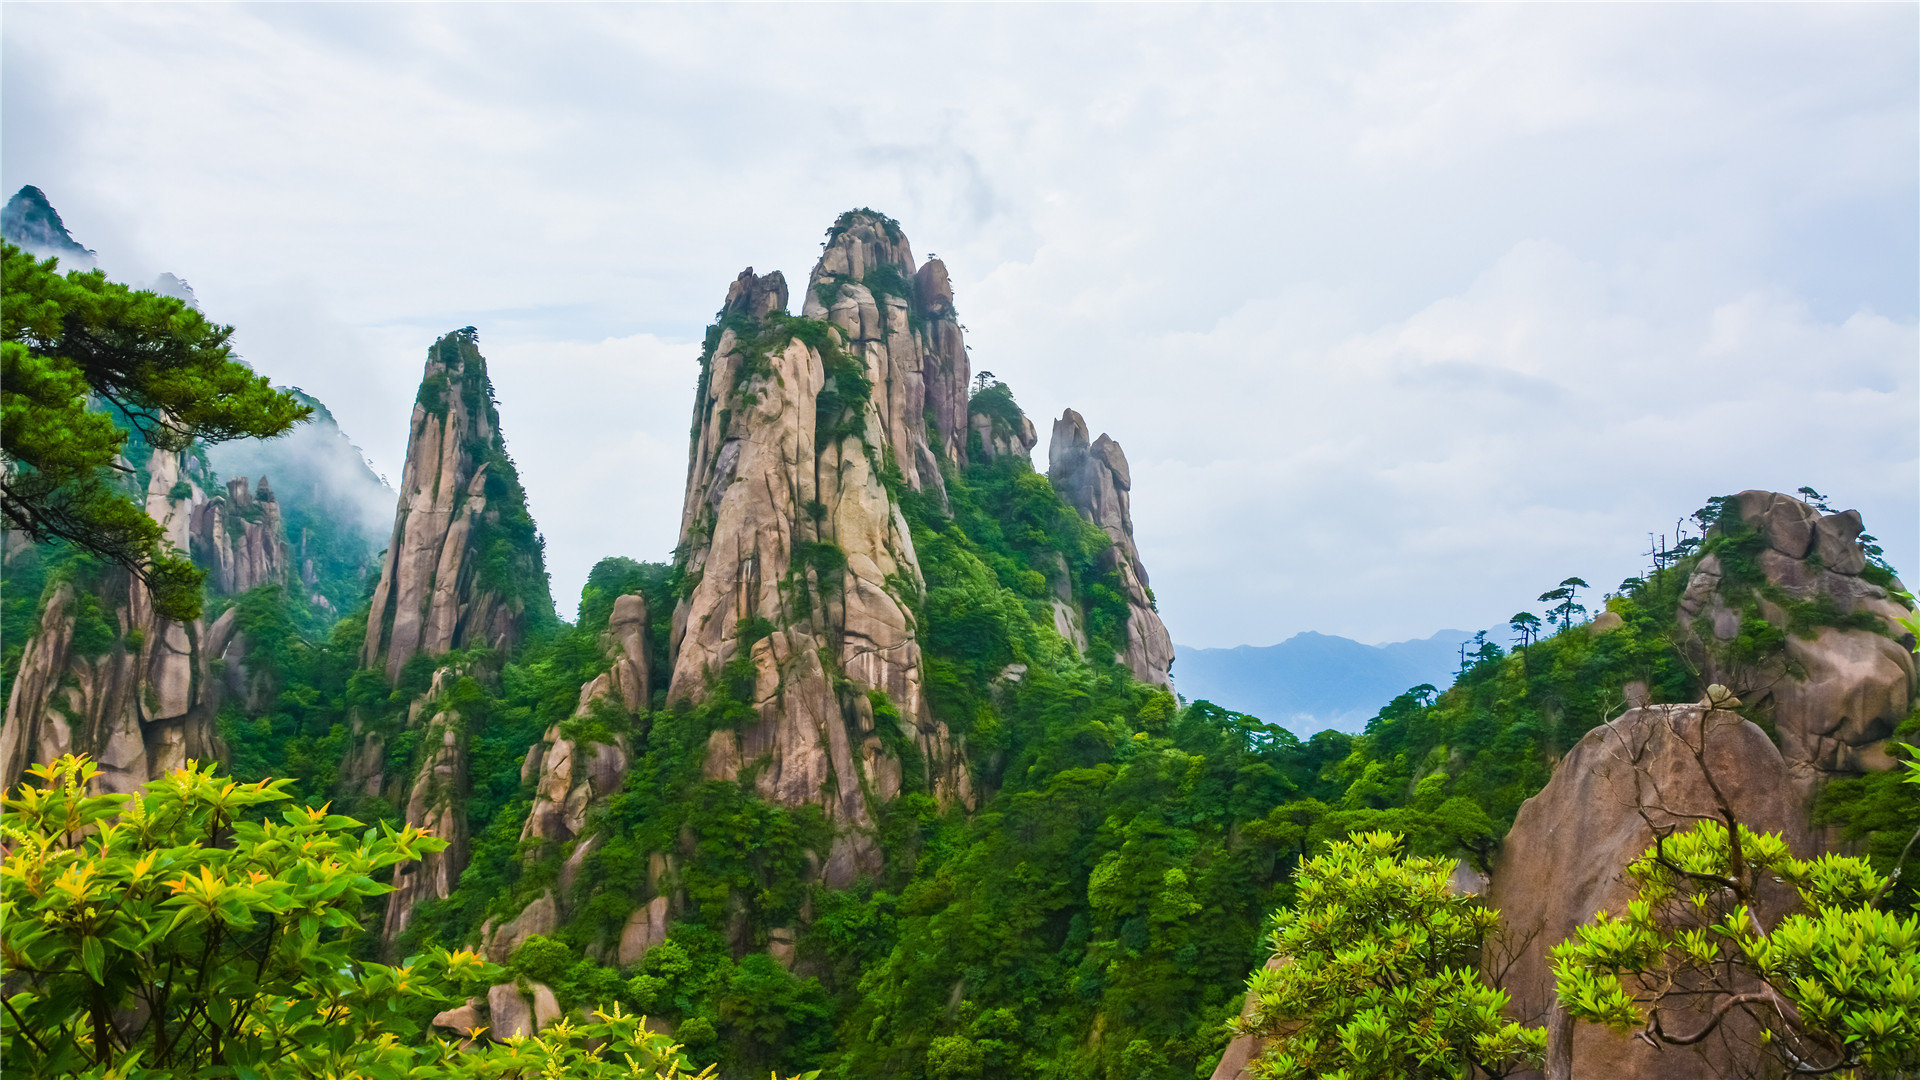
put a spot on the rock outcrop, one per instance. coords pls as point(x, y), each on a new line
point(1093, 477)
point(436, 802)
point(800, 563)
point(1841, 676)
point(464, 566)
point(900, 323)
point(239, 538)
point(569, 775)
point(999, 428)
point(1566, 856)
point(104, 675)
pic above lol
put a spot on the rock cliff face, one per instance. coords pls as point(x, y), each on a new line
point(1566, 856)
point(799, 563)
point(103, 675)
point(463, 566)
point(238, 536)
point(1782, 616)
point(1094, 479)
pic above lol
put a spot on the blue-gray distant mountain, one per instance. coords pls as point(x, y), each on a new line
point(31, 221)
point(1311, 682)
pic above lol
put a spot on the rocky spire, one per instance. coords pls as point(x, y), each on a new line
point(1094, 479)
point(464, 565)
point(800, 572)
point(900, 324)
point(239, 537)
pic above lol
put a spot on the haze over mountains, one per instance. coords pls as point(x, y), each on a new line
point(1312, 681)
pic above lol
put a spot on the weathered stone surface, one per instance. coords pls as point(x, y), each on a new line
point(539, 917)
point(546, 1007)
point(1834, 693)
point(1000, 439)
point(239, 536)
point(430, 597)
point(511, 1013)
point(645, 928)
point(437, 802)
point(1566, 856)
point(764, 490)
point(1787, 523)
point(463, 1019)
point(1094, 478)
point(146, 704)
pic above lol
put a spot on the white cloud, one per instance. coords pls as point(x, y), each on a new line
point(1401, 313)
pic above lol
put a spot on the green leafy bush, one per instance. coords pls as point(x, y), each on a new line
point(1375, 975)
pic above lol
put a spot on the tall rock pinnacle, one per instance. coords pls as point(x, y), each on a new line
point(900, 323)
point(799, 568)
point(464, 565)
point(1094, 479)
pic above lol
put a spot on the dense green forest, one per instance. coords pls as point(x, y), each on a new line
point(1098, 912)
point(1095, 917)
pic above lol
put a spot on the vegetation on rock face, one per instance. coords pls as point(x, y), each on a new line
point(1093, 919)
point(158, 366)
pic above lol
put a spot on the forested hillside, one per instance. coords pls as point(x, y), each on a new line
point(880, 774)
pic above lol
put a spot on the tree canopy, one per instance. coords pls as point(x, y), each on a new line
point(85, 362)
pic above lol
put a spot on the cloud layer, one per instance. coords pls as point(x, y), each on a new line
point(1401, 314)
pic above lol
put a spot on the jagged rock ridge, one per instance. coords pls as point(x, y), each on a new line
point(1093, 477)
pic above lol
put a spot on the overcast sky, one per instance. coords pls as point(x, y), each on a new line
point(1401, 313)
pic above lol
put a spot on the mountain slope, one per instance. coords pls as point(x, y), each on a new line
point(1314, 681)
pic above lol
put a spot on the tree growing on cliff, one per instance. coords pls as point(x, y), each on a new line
point(74, 340)
point(1833, 986)
point(1377, 975)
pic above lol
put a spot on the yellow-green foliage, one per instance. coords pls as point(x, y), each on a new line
point(181, 933)
point(1834, 985)
point(1376, 975)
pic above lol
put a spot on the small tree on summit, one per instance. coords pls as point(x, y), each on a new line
point(1527, 625)
point(1565, 604)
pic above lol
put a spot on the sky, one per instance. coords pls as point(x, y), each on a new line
point(1401, 313)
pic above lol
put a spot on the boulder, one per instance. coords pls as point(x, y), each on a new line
point(539, 917)
point(1566, 856)
point(511, 1013)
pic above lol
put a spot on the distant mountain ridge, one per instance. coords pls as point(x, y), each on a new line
point(31, 221)
point(1313, 681)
